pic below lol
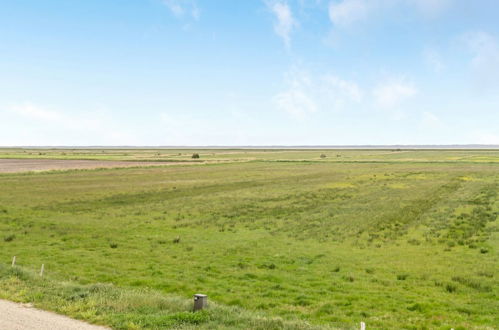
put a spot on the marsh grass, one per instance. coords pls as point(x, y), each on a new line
point(123, 308)
point(283, 233)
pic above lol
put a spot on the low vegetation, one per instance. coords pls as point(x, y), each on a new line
point(397, 239)
point(121, 308)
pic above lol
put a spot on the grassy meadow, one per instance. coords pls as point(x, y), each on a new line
point(399, 239)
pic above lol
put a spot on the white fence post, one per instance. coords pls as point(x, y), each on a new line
point(13, 261)
point(41, 270)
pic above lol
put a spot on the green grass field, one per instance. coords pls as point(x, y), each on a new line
point(394, 238)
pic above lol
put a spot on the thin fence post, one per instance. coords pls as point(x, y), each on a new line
point(362, 326)
point(41, 270)
point(13, 261)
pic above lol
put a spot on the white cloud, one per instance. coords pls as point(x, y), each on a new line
point(340, 87)
point(183, 8)
point(430, 120)
point(285, 21)
point(485, 62)
point(297, 100)
point(48, 116)
point(431, 8)
point(392, 93)
point(306, 94)
point(346, 12)
point(433, 60)
point(47, 126)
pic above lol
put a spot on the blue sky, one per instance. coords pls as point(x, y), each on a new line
point(252, 72)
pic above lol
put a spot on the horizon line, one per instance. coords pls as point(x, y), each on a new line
point(318, 146)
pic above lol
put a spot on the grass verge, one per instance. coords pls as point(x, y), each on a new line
point(123, 308)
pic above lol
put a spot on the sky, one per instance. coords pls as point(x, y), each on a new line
point(248, 72)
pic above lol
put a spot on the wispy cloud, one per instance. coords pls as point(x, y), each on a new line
point(346, 12)
point(51, 124)
point(433, 60)
point(183, 8)
point(340, 88)
point(41, 114)
point(430, 120)
point(392, 93)
point(306, 94)
point(297, 100)
point(431, 8)
point(284, 20)
point(484, 48)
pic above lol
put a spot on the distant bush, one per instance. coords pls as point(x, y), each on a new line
point(349, 278)
point(450, 288)
point(402, 277)
point(323, 156)
point(9, 238)
point(113, 245)
point(416, 308)
point(176, 240)
point(195, 156)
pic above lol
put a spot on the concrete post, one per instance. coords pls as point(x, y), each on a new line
point(200, 301)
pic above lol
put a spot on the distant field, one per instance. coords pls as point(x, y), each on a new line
point(394, 238)
point(233, 155)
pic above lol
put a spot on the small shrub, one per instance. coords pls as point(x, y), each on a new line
point(450, 288)
point(176, 240)
point(416, 308)
point(323, 156)
point(113, 245)
point(484, 250)
point(370, 270)
point(9, 238)
point(195, 156)
point(402, 277)
point(349, 278)
point(336, 269)
point(268, 266)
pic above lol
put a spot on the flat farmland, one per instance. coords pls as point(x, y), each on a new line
point(394, 238)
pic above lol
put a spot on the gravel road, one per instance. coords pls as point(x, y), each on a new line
point(15, 316)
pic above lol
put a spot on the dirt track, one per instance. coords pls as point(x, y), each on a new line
point(26, 165)
point(22, 317)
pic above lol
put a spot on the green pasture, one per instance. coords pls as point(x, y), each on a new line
point(397, 239)
point(210, 155)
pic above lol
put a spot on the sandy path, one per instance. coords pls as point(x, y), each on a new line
point(21, 317)
point(25, 165)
